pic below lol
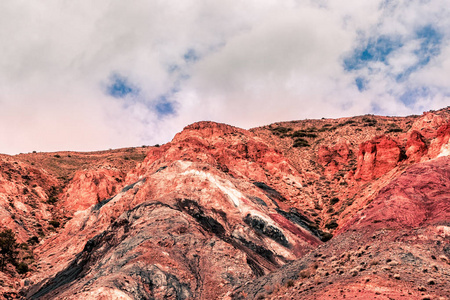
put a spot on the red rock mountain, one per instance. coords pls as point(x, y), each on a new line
point(314, 209)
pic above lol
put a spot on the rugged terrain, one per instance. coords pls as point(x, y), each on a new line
point(313, 209)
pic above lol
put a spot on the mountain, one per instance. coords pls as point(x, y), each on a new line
point(312, 209)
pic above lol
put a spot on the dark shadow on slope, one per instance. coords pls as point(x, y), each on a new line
point(294, 216)
point(270, 192)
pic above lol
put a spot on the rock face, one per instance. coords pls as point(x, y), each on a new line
point(24, 192)
point(440, 146)
point(390, 250)
point(428, 124)
point(90, 187)
point(377, 157)
point(334, 159)
point(197, 217)
point(419, 196)
point(416, 147)
point(225, 213)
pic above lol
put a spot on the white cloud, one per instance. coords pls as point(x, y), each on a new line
point(255, 62)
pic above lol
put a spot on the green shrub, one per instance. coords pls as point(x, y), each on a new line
point(281, 130)
point(290, 283)
point(52, 194)
point(8, 246)
point(325, 236)
point(54, 223)
point(334, 200)
point(332, 224)
point(23, 246)
point(299, 143)
point(22, 268)
point(369, 121)
point(301, 133)
point(33, 240)
point(394, 130)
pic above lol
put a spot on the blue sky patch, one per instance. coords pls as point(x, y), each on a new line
point(191, 56)
point(120, 87)
point(430, 43)
point(430, 46)
point(361, 83)
point(376, 49)
point(164, 107)
point(412, 95)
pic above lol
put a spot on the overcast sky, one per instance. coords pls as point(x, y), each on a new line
point(91, 75)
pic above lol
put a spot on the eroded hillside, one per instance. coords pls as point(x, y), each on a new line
point(223, 212)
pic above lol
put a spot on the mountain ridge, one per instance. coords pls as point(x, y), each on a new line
point(219, 206)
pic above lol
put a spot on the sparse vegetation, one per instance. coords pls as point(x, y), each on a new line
point(22, 268)
point(8, 245)
point(301, 133)
point(334, 200)
point(305, 273)
point(33, 240)
point(369, 121)
point(54, 223)
point(332, 224)
point(394, 129)
point(299, 143)
point(52, 194)
point(325, 236)
point(349, 122)
point(281, 130)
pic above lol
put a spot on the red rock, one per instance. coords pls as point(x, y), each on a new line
point(416, 147)
point(334, 158)
point(220, 209)
point(196, 208)
point(403, 228)
point(89, 187)
point(419, 196)
point(24, 192)
point(377, 157)
point(440, 145)
point(428, 124)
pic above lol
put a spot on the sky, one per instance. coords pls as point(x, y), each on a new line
point(92, 75)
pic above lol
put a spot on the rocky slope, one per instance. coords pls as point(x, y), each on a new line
point(195, 218)
point(222, 212)
point(396, 248)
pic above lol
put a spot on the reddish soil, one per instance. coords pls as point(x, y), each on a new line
point(314, 209)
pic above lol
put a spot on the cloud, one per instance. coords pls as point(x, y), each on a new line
point(95, 75)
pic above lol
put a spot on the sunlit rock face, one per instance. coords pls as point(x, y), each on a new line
point(377, 157)
point(196, 218)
